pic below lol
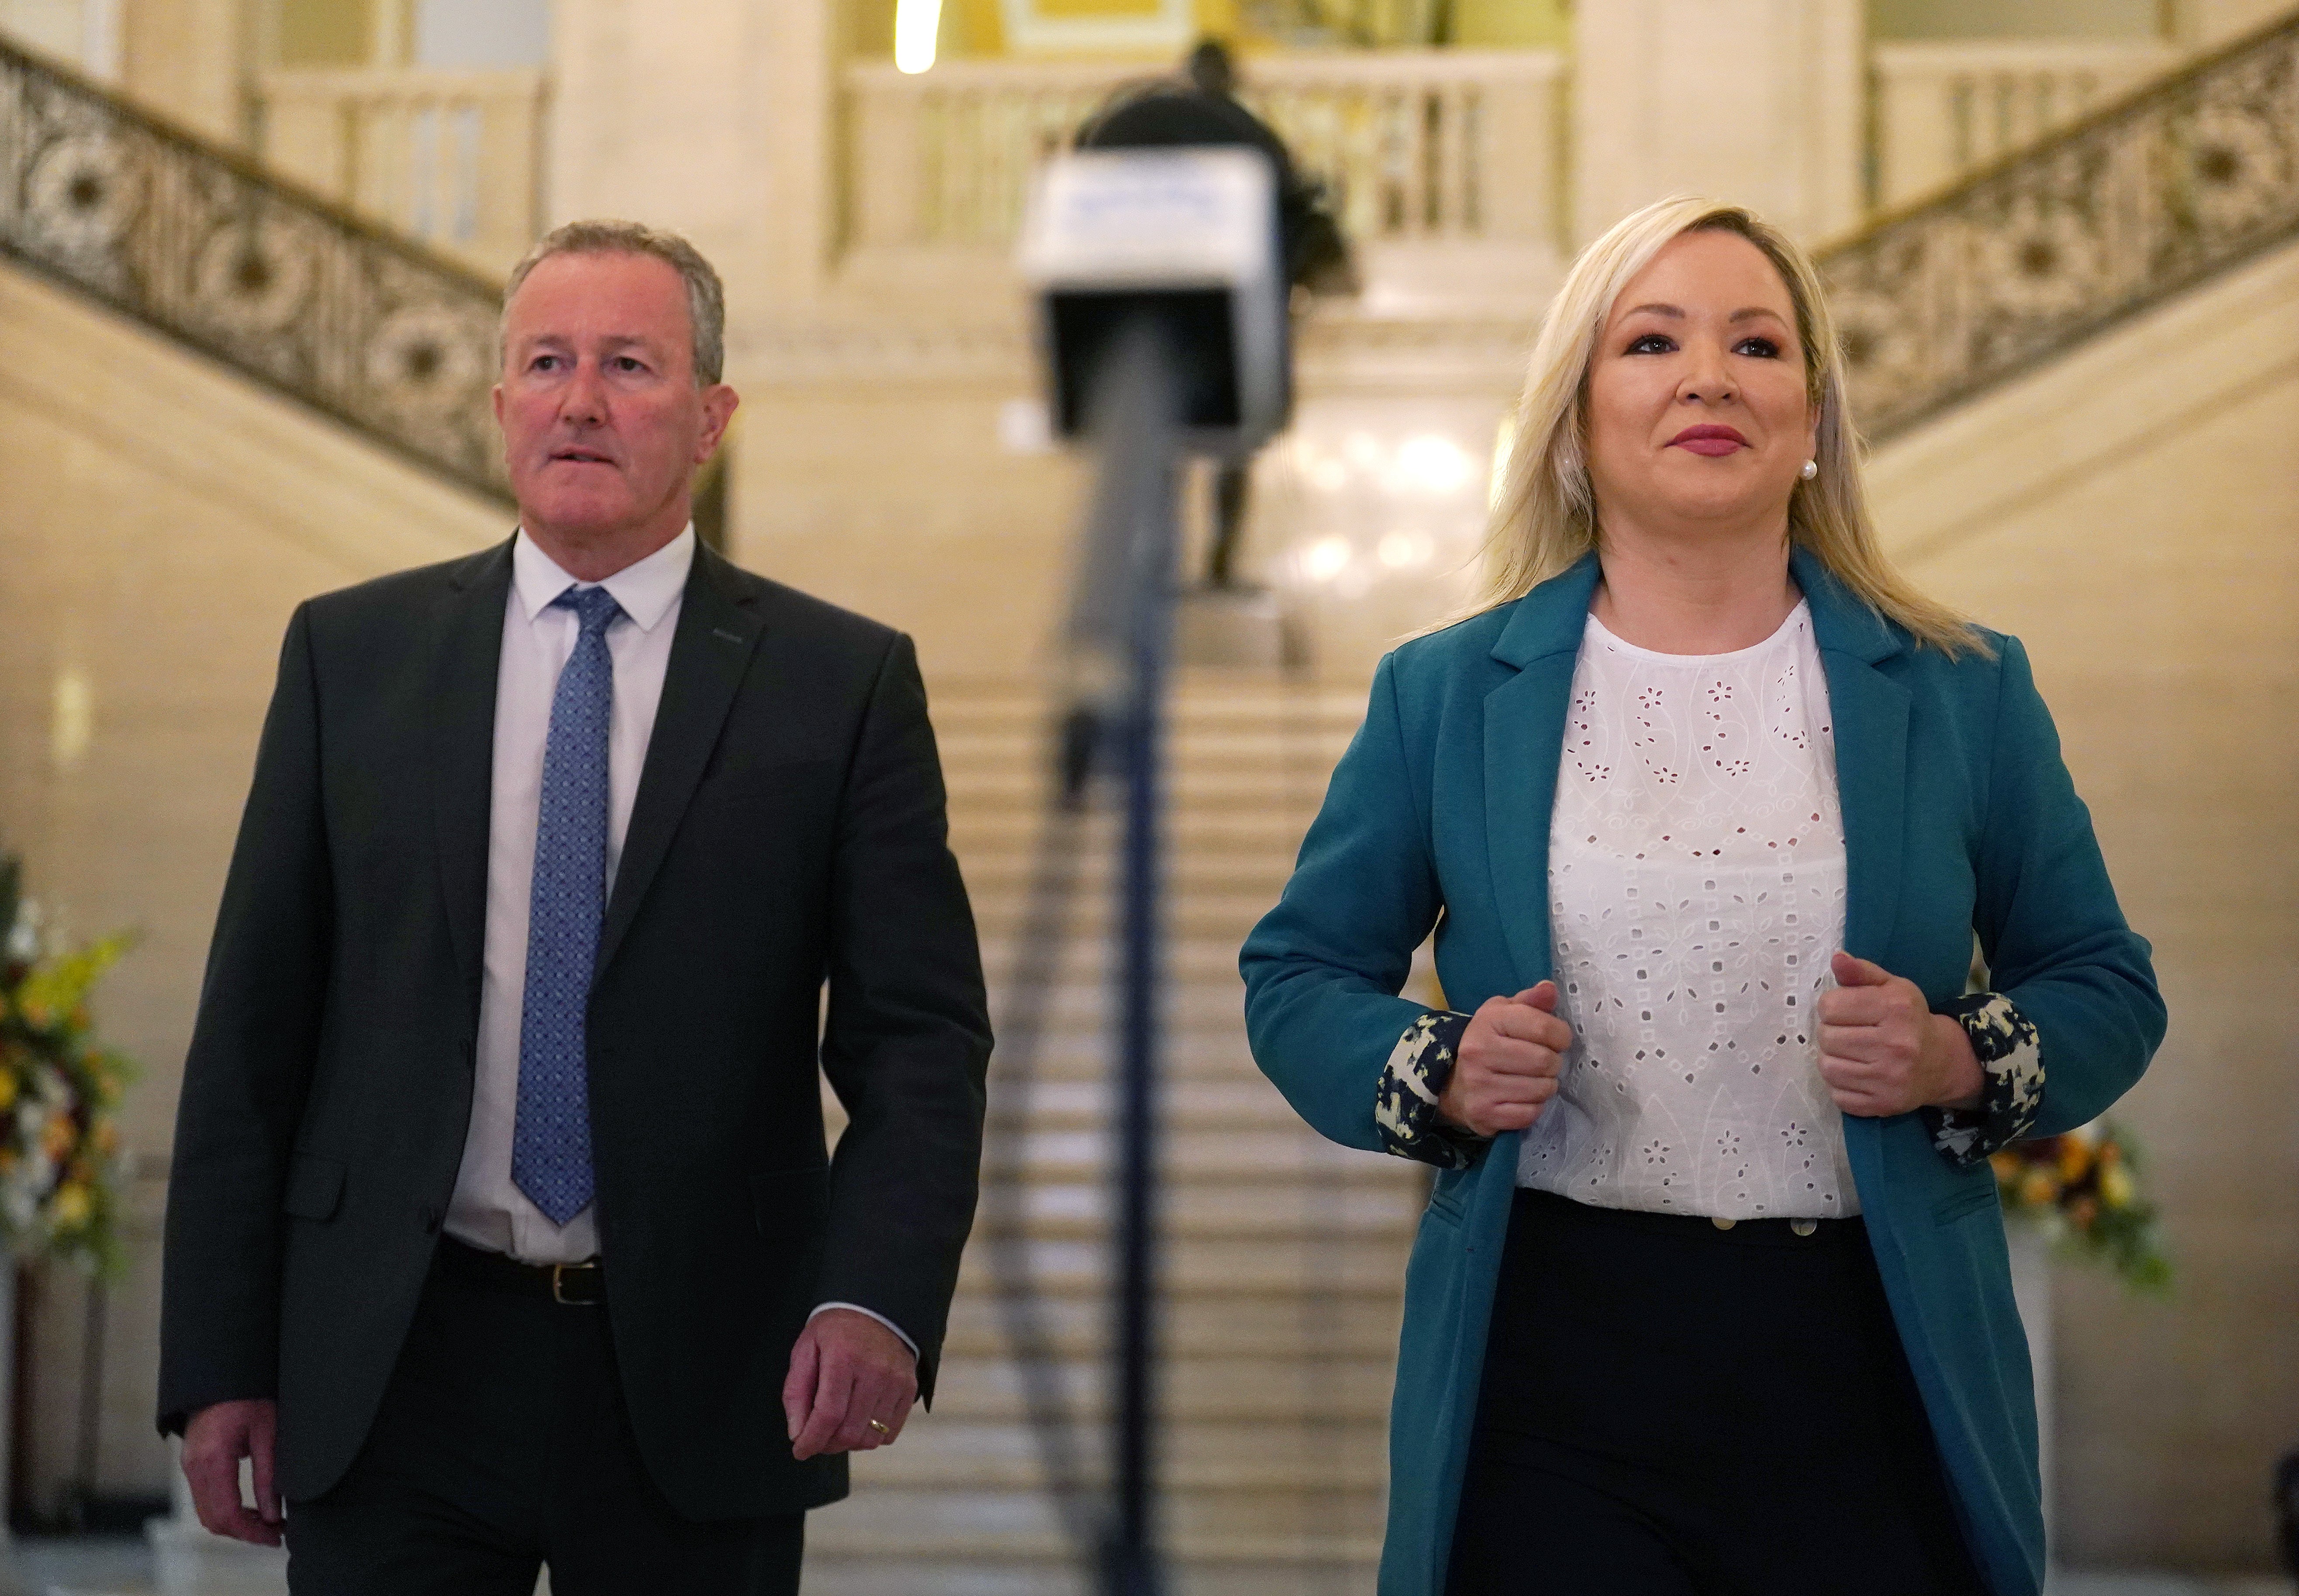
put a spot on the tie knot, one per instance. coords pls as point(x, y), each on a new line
point(593, 607)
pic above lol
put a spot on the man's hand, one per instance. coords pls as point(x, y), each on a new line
point(214, 1442)
point(1882, 1051)
point(1505, 1071)
point(846, 1370)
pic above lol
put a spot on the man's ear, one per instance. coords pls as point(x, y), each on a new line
point(719, 403)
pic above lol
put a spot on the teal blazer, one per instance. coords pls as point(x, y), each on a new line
point(1958, 816)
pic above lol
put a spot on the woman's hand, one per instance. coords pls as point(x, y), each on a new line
point(1505, 1071)
point(1882, 1051)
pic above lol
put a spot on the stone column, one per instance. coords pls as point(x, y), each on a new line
point(1757, 102)
point(2031, 1292)
point(715, 118)
point(188, 60)
point(2204, 23)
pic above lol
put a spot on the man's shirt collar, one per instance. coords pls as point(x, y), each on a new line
point(645, 589)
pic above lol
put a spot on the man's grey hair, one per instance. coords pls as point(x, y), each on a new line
point(706, 297)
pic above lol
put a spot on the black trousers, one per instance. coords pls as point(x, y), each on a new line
point(502, 1444)
point(1669, 1409)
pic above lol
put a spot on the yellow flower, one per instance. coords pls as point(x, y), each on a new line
point(2115, 1185)
point(72, 1207)
point(58, 1136)
point(2037, 1190)
point(7, 1089)
point(2075, 1158)
point(2007, 1165)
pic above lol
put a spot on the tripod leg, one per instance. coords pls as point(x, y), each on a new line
point(1232, 482)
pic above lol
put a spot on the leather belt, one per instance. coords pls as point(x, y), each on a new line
point(569, 1285)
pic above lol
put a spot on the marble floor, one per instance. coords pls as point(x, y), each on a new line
point(103, 1566)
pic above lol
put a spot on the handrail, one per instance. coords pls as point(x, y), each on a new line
point(208, 249)
point(2006, 267)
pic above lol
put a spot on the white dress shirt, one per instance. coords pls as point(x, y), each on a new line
point(488, 1210)
point(1697, 880)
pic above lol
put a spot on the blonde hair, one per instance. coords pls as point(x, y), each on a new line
point(1544, 519)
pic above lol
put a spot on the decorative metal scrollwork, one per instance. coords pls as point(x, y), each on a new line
point(2116, 213)
point(298, 294)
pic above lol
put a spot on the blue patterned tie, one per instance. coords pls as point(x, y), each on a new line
point(551, 1142)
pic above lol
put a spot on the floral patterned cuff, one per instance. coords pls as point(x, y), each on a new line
point(1405, 1104)
point(2010, 1062)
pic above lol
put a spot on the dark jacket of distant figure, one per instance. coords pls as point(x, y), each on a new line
point(1167, 115)
point(788, 829)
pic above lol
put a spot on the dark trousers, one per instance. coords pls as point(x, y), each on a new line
point(1670, 1409)
point(502, 1444)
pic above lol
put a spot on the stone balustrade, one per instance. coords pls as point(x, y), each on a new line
point(451, 157)
point(1414, 147)
point(1944, 108)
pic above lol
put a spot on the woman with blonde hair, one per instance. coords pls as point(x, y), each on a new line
point(1705, 806)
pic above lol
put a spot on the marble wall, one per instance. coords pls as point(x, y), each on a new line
point(2129, 512)
point(163, 520)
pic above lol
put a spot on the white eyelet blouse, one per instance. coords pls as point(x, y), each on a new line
point(1696, 880)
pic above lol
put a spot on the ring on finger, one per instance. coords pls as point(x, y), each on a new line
point(879, 1425)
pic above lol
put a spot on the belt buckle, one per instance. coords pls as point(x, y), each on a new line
point(589, 1273)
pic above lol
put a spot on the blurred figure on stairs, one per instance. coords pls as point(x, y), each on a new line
point(1200, 106)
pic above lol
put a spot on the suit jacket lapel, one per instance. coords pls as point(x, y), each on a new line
point(467, 658)
point(1525, 736)
point(710, 652)
point(1869, 712)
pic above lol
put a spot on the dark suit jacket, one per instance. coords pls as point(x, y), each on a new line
point(789, 828)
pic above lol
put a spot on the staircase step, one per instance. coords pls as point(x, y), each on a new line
point(841, 1574)
point(1245, 1265)
point(1282, 1267)
point(891, 1515)
point(1189, 961)
point(1221, 908)
point(1220, 1391)
point(1020, 828)
point(1076, 1328)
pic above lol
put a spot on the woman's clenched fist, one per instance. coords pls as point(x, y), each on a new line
point(1506, 1070)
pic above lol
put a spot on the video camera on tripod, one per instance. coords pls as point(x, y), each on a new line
point(1161, 304)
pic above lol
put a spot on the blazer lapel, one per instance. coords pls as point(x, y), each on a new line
point(1869, 711)
point(1524, 738)
point(709, 654)
point(467, 658)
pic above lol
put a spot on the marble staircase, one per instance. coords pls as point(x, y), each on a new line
point(1285, 1255)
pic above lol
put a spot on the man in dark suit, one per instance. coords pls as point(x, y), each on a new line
point(502, 1230)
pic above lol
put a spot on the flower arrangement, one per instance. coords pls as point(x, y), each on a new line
point(2083, 1188)
point(59, 1094)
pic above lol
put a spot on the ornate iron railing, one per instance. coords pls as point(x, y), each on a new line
point(2185, 179)
point(204, 247)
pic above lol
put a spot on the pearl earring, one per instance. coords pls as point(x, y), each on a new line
point(1811, 469)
